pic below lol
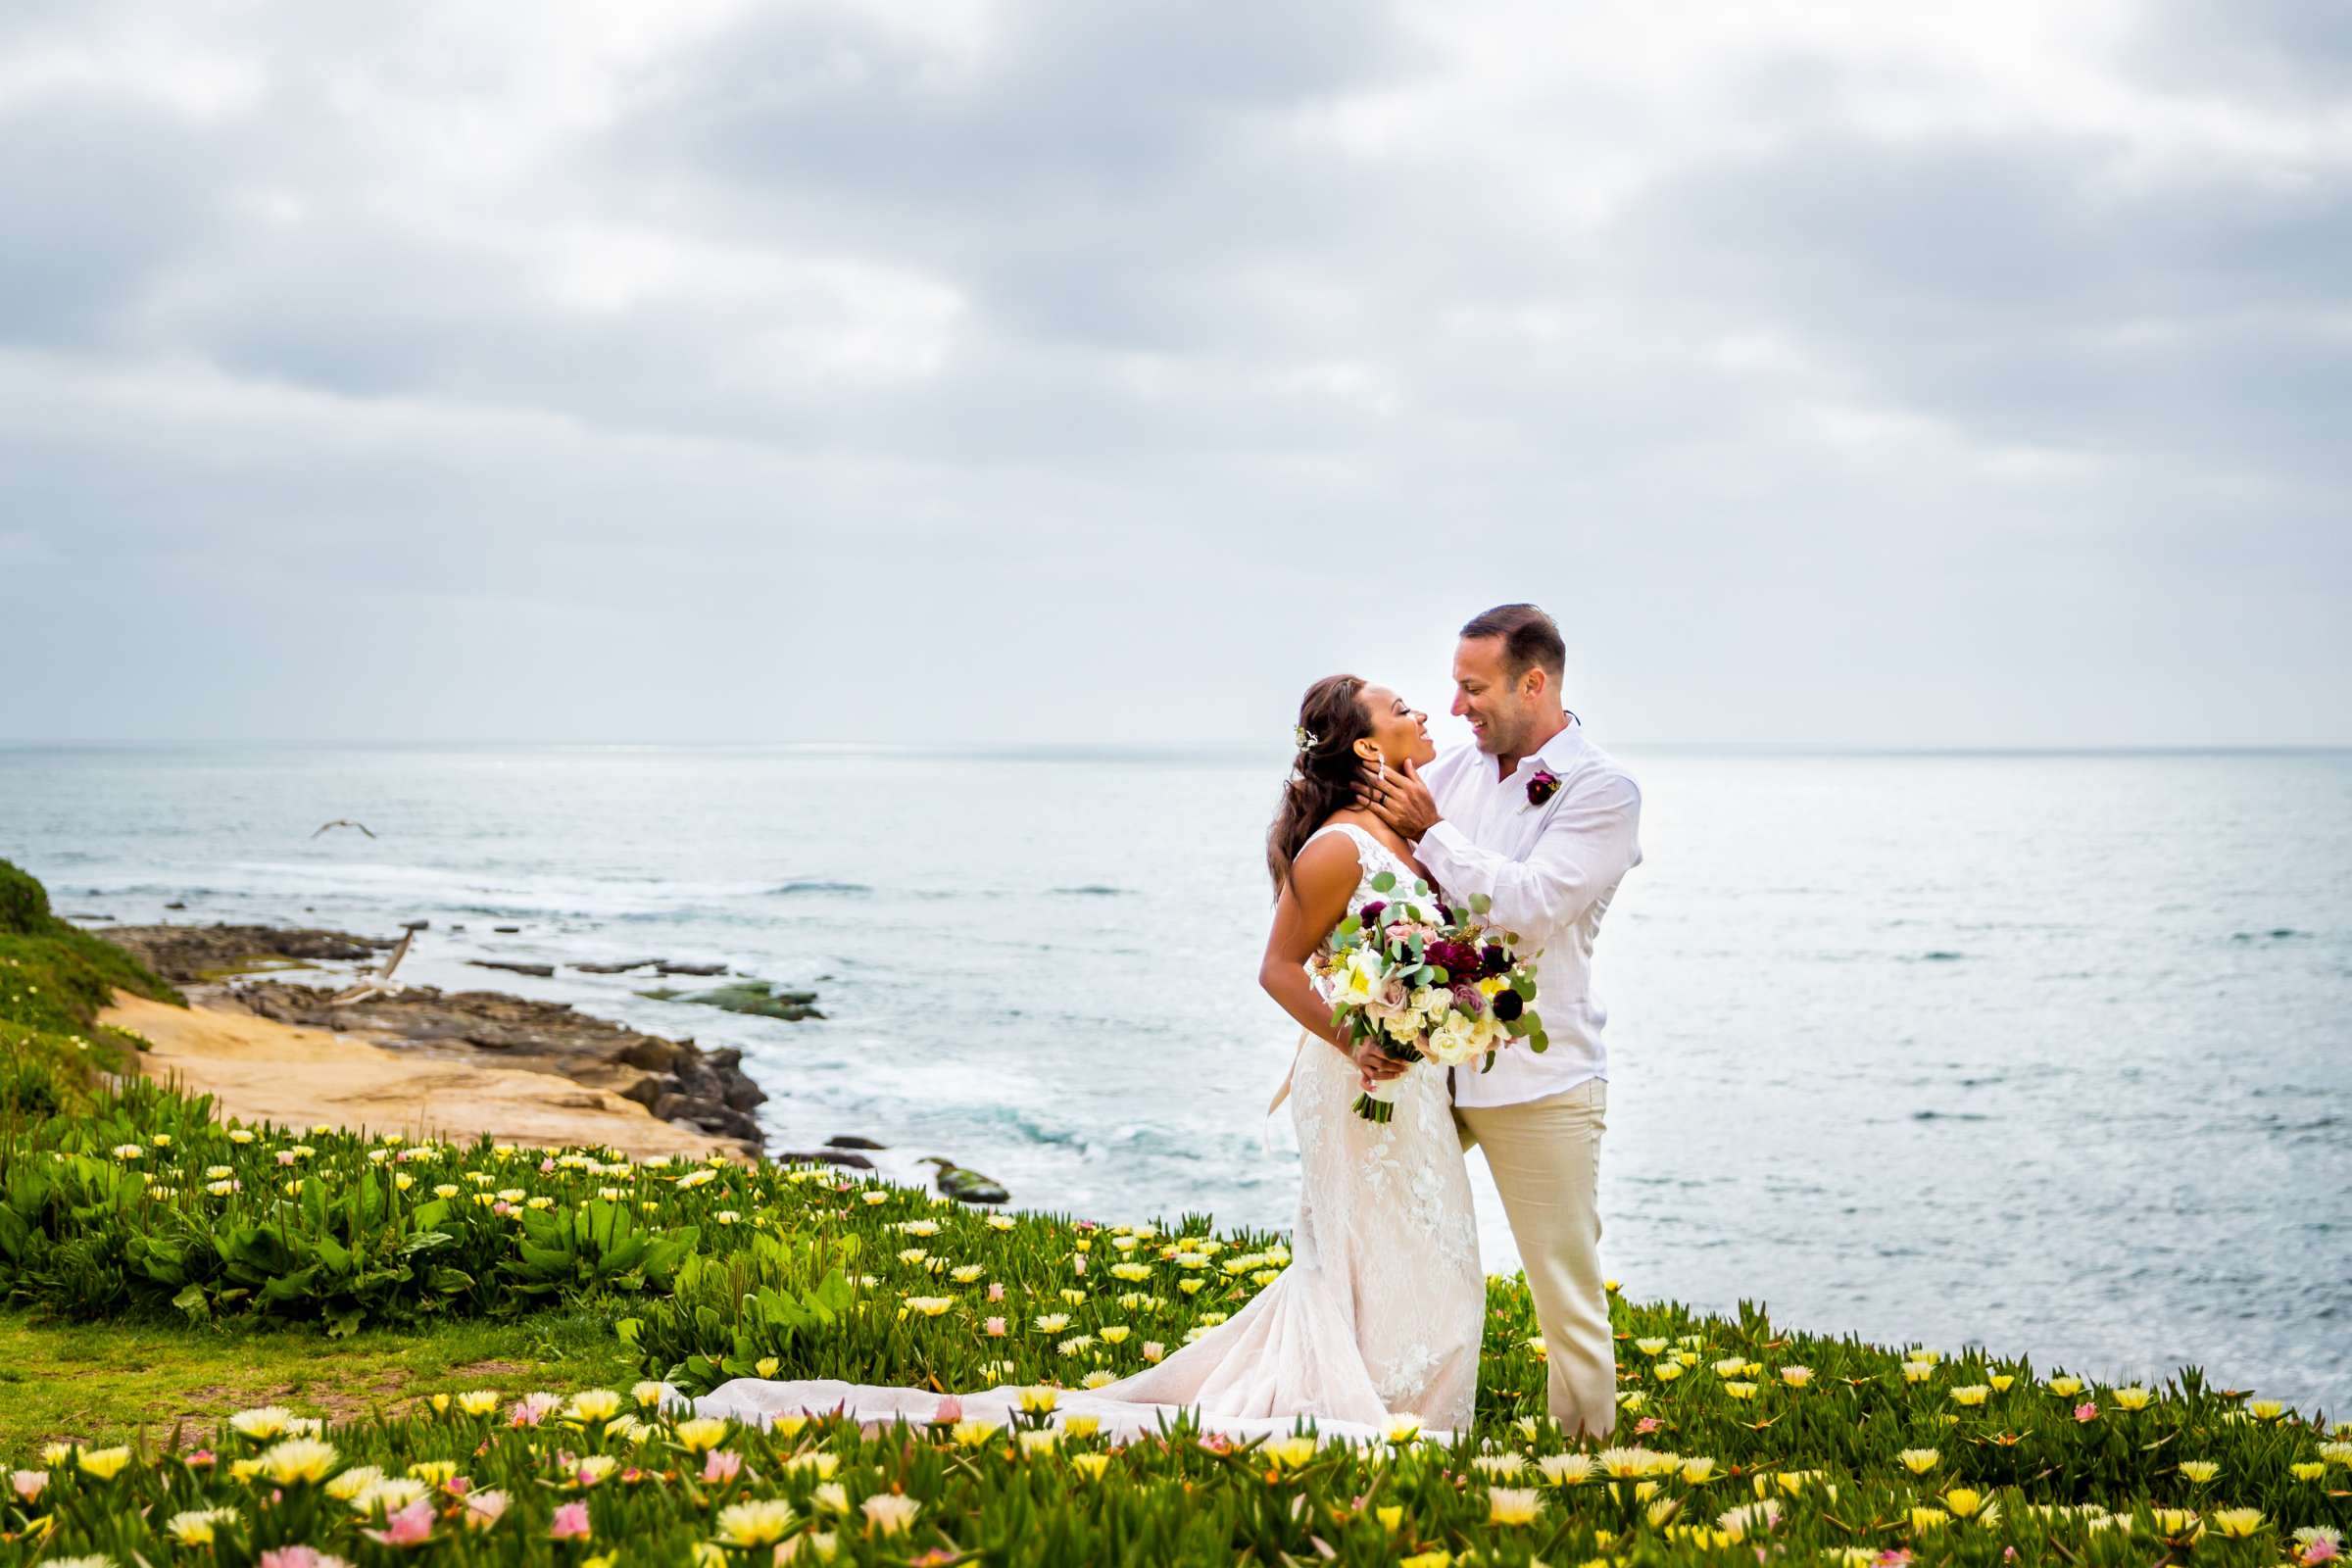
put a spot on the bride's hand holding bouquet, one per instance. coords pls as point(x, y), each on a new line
point(1418, 981)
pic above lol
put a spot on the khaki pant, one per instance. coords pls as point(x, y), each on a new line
point(1546, 1157)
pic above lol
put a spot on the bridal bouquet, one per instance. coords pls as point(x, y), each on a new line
point(1426, 983)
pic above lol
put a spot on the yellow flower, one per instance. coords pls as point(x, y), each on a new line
point(1115, 1333)
point(1971, 1394)
point(1434, 1557)
point(1919, 1461)
point(1043, 1439)
point(701, 1433)
point(758, 1522)
point(2307, 1472)
point(2000, 1381)
point(298, 1459)
point(1090, 1465)
point(194, 1526)
point(1390, 1516)
point(2237, 1521)
point(821, 1465)
point(1566, 1469)
point(2266, 1409)
point(2134, 1398)
point(2177, 1521)
point(1741, 1390)
point(478, 1402)
point(1667, 1371)
point(928, 1305)
point(1053, 1322)
point(594, 1404)
point(1099, 1378)
point(1038, 1400)
point(1513, 1506)
point(104, 1463)
point(434, 1472)
point(1918, 1371)
point(766, 1366)
point(1924, 1520)
point(2066, 1388)
point(1964, 1501)
point(1697, 1472)
point(2199, 1470)
point(1402, 1427)
point(1796, 1377)
point(262, 1423)
point(1290, 1453)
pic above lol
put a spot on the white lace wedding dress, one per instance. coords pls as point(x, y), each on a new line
point(1378, 1314)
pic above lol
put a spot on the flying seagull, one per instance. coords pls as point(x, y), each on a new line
point(344, 822)
point(380, 983)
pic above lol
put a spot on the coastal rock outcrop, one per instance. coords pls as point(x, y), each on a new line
point(189, 952)
point(758, 997)
point(675, 1079)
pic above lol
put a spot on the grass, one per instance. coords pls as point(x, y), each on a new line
point(135, 1382)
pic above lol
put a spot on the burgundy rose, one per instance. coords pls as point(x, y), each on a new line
point(1495, 961)
point(1543, 786)
point(1370, 913)
point(1507, 1005)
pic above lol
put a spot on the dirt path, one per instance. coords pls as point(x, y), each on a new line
point(262, 1070)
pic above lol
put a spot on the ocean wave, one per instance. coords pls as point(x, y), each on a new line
point(785, 890)
point(1092, 890)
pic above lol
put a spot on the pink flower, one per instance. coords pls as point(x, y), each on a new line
point(1085, 1225)
point(532, 1408)
point(502, 1206)
point(2321, 1550)
point(201, 1459)
point(951, 1408)
point(547, 1167)
point(1649, 1423)
point(720, 1465)
point(1894, 1557)
point(993, 1328)
point(996, 1289)
point(2086, 1411)
point(28, 1482)
point(412, 1526)
point(286, 1156)
point(1543, 786)
point(485, 1508)
point(301, 1558)
point(571, 1523)
point(1077, 1265)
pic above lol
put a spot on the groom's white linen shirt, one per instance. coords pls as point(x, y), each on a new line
point(1551, 870)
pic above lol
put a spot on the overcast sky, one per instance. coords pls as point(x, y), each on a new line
point(1837, 373)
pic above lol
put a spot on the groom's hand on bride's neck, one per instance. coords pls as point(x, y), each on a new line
point(1399, 797)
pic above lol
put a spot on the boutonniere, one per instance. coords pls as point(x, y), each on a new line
point(1543, 786)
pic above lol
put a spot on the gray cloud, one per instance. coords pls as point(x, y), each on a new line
point(753, 371)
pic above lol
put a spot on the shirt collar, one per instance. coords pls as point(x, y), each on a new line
point(1555, 752)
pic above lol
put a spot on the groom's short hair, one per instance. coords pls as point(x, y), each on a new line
point(1529, 636)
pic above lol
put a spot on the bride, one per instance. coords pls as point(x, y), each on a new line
point(1381, 1309)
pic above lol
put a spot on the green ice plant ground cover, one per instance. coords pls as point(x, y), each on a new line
point(527, 1299)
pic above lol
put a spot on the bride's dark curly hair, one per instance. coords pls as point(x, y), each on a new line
point(1332, 717)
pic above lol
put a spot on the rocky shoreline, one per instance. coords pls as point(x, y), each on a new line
point(677, 1080)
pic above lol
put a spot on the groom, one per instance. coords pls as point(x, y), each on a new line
point(1544, 823)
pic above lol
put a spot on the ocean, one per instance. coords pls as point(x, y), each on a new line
point(2042, 1051)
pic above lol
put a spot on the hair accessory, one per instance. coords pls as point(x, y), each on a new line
point(1305, 738)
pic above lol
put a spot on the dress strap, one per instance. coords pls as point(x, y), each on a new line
point(1362, 839)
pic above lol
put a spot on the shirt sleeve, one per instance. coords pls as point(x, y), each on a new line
point(1590, 840)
